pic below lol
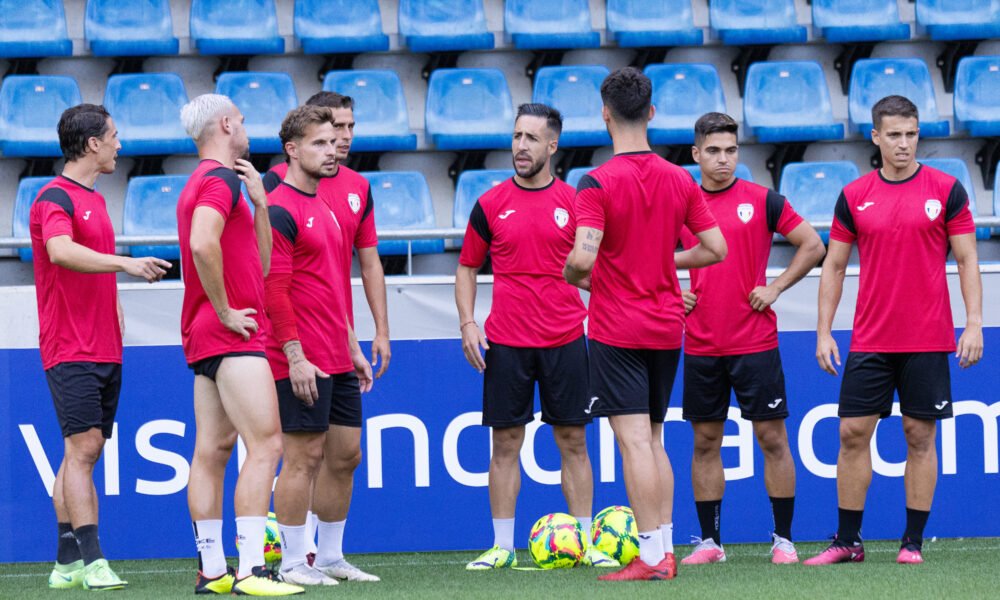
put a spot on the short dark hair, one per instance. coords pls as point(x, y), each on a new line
point(714, 122)
point(331, 100)
point(553, 118)
point(628, 93)
point(295, 123)
point(893, 106)
point(77, 125)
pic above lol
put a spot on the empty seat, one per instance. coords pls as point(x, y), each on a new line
point(789, 102)
point(469, 109)
point(444, 25)
point(534, 24)
point(30, 107)
point(235, 27)
point(957, 168)
point(264, 99)
point(681, 94)
point(977, 87)
point(742, 172)
point(959, 20)
point(814, 187)
point(151, 209)
point(403, 201)
point(129, 28)
point(27, 191)
point(471, 185)
point(575, 175)
point(33, 29)
point(996, 199)
point(875, 78)
point(576, 92)
point(858, 20)
point(743, 22)
point(650, 23)
point(383, 123)
point(339, 26)
point(146, 108)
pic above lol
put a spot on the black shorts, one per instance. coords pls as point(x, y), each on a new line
point(85, 395)
point(209, 367)
point(628, 381)
point(339, 403)
point(756, 378)
point(509, 384)
point(922, 379)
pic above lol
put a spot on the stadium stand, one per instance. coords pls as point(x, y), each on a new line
point(576, 93)
point(977, 87)
point(27, 190)
point(151, 209)
point(646, 23)
point(456, 25)
point(382, 121)
point(966, 20)
point(130, 28)
point(264, 99)
point(146, 109)
point(33, 29)
point(682, 92)
point(339, 26)
point(468, 109)
point(550, 24)
point(742, 171)
point(840, 21)
point(743, 22)
point(813, 188)
point(574, 175)
point(30, 106)
point(235, 27)
point(957, 168)
point(876, 78)
point(403, 201)
point(789, 102)
point(472, 185)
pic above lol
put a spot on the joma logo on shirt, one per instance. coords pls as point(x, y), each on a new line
point(86, 216)
point(309, 223)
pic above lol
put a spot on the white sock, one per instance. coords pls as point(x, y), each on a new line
point(503, 533)
point(585, 523)
point(331, 542)
point(208, 539)
point(293, 545)
point(667, 532)
point(312, 524)
point(651, 547)
point(250, 533)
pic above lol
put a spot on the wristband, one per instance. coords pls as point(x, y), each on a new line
point(462, 326)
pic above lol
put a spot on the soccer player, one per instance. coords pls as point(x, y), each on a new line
point(535, 328)
point(225, 254)
point(629, 214)
point(731, 339)
point(80, 331)
point(904, 218)
point(320, 370)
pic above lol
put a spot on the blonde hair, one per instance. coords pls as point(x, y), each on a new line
point(202, 111)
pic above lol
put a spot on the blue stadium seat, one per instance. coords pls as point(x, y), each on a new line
point(33, 29)
point(957, 168)
point(383, 123)
point(151, 209)
point(403, 201)
point(996, 199)
point(549, 24)
point(443, 26)
point(576, 92)
point(264, 99)
point(959, 20)
point(745, 22)
point(875, 78)
point(235, 27)
point(146, 108)
point(977, 87)
point(27, 190)
point(471, 185)
point(652, 23)
point(742, 171)
point(130, 28)
point(858, 20)
point(813, 188)
point(468, 109)
point(339, 26)
point(30, 107)
point(682, 93)
point(789, 102)
point(575, 175)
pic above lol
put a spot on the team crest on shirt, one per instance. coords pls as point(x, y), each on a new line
point(932, 208)
point(561, 217)
point(354, 201)
point(745, 212)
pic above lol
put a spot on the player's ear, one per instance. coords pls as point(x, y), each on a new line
point(875, 136)
point(696, 154)
point(605, 113)
point(291, 150)
point(652, 112)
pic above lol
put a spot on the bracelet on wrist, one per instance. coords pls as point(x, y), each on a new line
point(462, 326)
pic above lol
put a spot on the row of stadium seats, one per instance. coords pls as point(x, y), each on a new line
point(403, 200)
point(36, 28)
point(473, 109)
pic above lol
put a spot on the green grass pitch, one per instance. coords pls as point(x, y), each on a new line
point(955, 568)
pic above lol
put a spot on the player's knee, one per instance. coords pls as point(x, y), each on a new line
point(707, 442)
point(854, 437)
point(773, 442)
point(507, 441)
point(571, 440)
point(920, 439)
point(85, 453)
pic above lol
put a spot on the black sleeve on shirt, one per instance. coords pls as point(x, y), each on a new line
point(283, 222)
point(775, 206)
point(480, 223)
point(843, 214)
point(369, 206)
point(57, 196)
point(958, 199)
point(587, 182)
point(231, 179)
point(270, 181)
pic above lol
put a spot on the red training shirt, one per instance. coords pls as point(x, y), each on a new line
point(77, 312)
point(902, 230)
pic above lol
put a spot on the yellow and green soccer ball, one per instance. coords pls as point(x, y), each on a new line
point(614, 533)
point(557, 541)
point(272, 540)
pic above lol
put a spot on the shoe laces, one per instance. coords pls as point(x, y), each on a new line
point(704, 544)
point(783, 544)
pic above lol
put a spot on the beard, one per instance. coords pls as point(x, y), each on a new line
point(245, 155)
point(535, 168)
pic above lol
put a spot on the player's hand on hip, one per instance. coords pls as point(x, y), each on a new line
point(363, 369)
point(302, 374)
point(690, 300)
point(970, 346)
point(251, 178)
point(825, 347)
point(380, 354)
point(584, 284)
point(240, 321)
point(472, 341)
point(149, 268)
point(763, 296)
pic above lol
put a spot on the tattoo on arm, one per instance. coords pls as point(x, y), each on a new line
point(589, 248)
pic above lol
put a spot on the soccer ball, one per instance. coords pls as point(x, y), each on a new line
point(614, 533)
point(272, 540)
point(556, 541)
